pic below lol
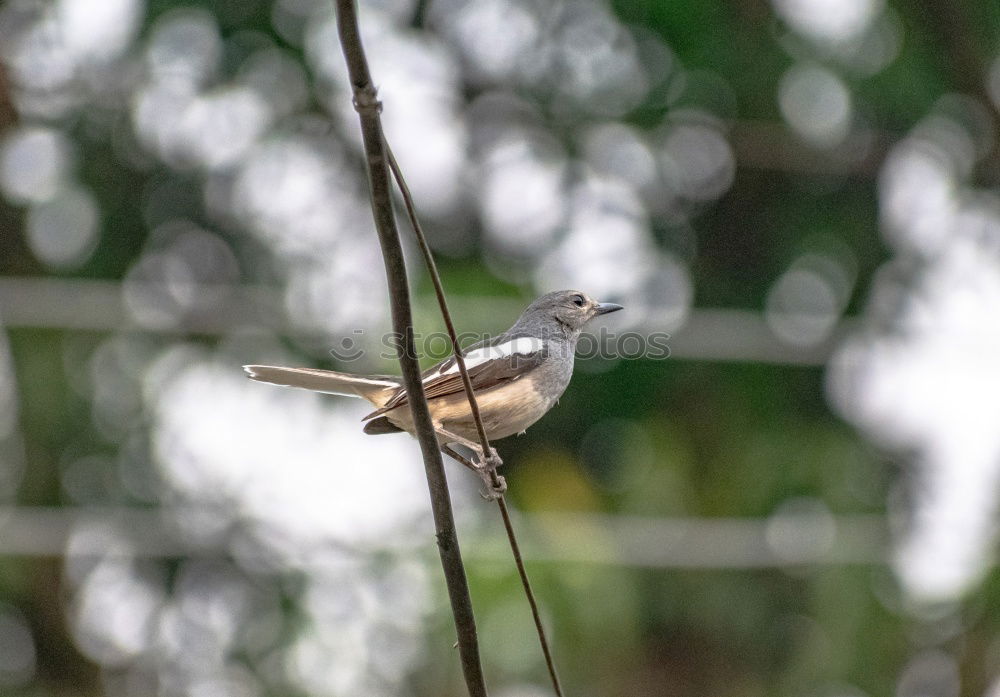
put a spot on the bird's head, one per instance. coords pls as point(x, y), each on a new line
point(570, 308)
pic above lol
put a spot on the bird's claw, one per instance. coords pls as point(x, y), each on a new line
point(493, 491)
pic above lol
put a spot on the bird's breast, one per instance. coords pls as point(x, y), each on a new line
point(512, 408)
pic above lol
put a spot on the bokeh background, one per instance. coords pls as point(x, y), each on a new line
point(802, 499)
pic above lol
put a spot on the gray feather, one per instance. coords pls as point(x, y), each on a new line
point(374, 388)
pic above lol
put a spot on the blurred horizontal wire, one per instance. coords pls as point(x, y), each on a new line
point(743, 335)
point(589, 538)
point(711, 543)
point(96, 305)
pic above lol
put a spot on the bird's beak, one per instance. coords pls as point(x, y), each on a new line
point(605, 308)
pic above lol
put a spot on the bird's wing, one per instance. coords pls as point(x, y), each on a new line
point(489, 365)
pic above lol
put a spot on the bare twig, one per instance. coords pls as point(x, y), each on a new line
point(484, 441)
point(368, 107)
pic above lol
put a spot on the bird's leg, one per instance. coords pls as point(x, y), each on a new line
point(492, 491)
point(485, 467)
point(447, 436)
point(455, 455)
point(491, 461)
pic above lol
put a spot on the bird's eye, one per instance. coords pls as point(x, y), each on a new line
point(579, 301)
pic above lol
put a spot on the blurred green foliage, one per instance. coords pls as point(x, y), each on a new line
point(674, 438)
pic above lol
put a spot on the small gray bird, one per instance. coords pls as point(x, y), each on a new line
point(516, 377)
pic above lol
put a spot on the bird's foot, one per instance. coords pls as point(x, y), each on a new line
point(487, 467)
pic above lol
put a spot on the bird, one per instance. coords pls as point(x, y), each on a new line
point(516, 376)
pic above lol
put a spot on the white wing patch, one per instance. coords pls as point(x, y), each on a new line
point(524, 345)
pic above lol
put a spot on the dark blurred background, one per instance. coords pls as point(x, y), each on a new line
point(801, 499)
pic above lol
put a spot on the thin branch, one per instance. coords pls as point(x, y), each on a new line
point(515, 549)
point(368, 107)
point(442, 303)
point(474, 406)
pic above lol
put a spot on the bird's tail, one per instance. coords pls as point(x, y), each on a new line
point(375, 388)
